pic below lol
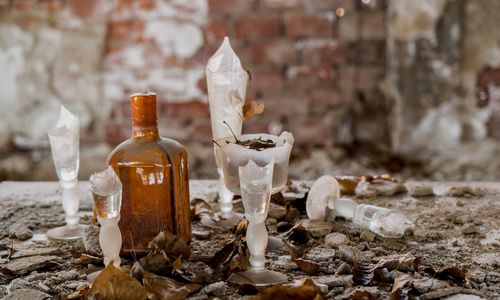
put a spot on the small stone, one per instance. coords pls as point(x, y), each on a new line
point(353, 229)
point(36, 251)
point(27, 294)
point(201, 234)
point(346, 253)
point(276, 211)
point(320, 254)
point(429, 284)
point(344, 269)
point(283, 262)
point(367, 236)
point(379, 188)
point(24, 265)
point(317, 228)
point(460, 191)
point(274, 243)
point(334, 280)
point(470, 229)
point(90, 240)
point(463, 297)
point(20, 231)
point(336, 239)
point(463, 219)
point(420, 190)
point(217, 289)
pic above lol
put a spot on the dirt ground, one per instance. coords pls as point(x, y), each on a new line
point(455, 240)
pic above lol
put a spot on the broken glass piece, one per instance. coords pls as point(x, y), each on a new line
point(324, 192)
point(64, 140)
point(227, 84)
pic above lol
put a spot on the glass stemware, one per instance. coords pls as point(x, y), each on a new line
point(256, 186)
point(64, 143)
point(107, 194)
point(226, 83)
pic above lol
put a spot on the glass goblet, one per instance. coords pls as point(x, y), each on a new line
point(256, 186)
point(64, 145)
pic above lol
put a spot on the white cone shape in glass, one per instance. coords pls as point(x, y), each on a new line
point(64, 140)
point(324, 192)
point(227, 85)
point(107, 194)
point(233, 156)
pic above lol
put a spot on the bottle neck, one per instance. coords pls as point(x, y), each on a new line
point(144, 124)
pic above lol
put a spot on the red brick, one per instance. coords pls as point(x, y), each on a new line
point(332, 5)
point(125, 30)
point(285, 104)
point(322, 51)
point(215, 31)
point(189, 109)
point(366, 52)
point(202, 131)
point(255, 27)
point(312, 132)
point(323, 100)
point(266, 79)
point(282, 5)
point(348, 27)
point(488, 76)
point(280, 52)
point(147, 4)
point(311, 76)
point(23, 5)
point(309, 25)
point(116, 133)
point(82, 9)
point(52, 5)
point(369, 77)
point(232, 7)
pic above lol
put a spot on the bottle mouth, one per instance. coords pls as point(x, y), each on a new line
point(143, 94)
point(143, 109)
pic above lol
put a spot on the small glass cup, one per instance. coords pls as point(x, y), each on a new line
point(256, 186)
point(106, 191)
point(64, 143)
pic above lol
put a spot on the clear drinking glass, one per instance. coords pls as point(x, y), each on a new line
point(64, 140)
point(107, 194)
point(226, 83)
point(256, 186)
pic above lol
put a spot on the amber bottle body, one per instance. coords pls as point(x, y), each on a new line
point(154, 175)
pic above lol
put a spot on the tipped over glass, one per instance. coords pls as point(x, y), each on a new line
point(226, 83)
point(64, 140)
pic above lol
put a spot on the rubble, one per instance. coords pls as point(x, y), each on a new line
point(27, 294)
point(91, 240)
point(336, 239)
point(20, 231)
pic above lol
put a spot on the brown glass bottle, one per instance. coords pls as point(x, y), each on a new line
point(153, 171)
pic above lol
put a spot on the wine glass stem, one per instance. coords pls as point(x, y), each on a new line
point(110, 240)
point(257, 243)
point(225, 196)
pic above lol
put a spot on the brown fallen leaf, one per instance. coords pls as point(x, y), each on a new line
point(363, 295)
point(170, 245)
point(158, 288)
point(177, 265)
point(402, 287)
point(200, 209)
point(309, 267)
point(451, 273)
point(113, 283)
point(297, 240)
point(240, 229)
point(362, 273)
point(224, 255)
point(348, 184)
point(86, 259)
point(79, 295)
point(252, 109)
point(307, 291)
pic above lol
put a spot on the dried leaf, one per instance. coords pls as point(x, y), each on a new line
point(307, 291)
point(402, 287)
point(171, 245)
point(89, 259)
point(309, 267)
point(224, 255)
point(297, 240)
point(362, 273)
point(348, 184)
point(451, 273)
point(240, 229)
point(79, 295)
point(113, 283)
point(363, 295)
point(279, 199)
point(177, 265)
point(201, 209)
point(252, 109)
point(158, 287)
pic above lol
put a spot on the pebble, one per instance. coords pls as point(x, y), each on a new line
point(27, 264)
point(367, 236)
point(90, 240)
point(429, 284)
point(27, 294)
point(276, 211)
point(201, 234)
point(460, 191)
point(463, 297)
point(419, 190)
point(217, 289)
point(274, 243)
point(37, 251)
point(320, 254)
point(317, 228)
point(346, 254)
point(470, 229)
point(336, 239)
point(20, 231)
point(333, 280)
point(344, 269)
point(462, 219)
